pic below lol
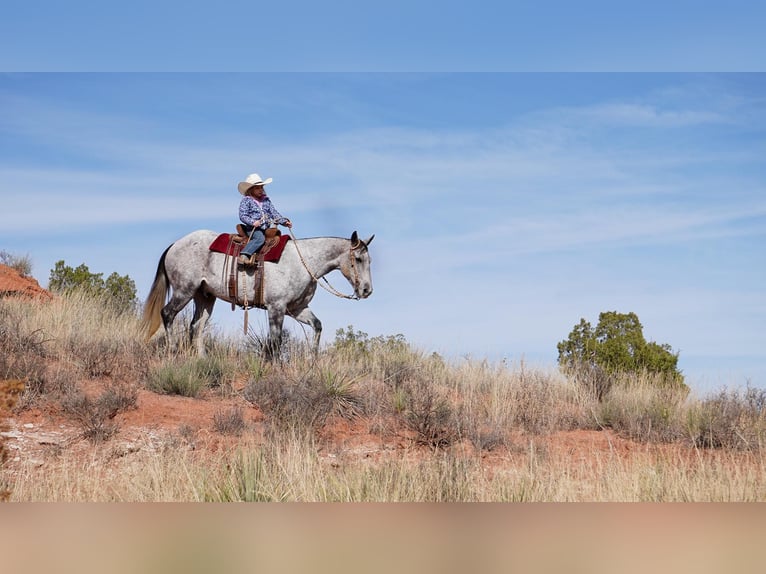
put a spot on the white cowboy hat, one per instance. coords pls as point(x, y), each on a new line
point(252, 180)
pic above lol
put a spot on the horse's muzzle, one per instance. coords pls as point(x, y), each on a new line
point(364, 291)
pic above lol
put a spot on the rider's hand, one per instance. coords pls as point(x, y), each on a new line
point(288, 223)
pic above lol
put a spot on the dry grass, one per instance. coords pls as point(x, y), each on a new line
point(290, 468)
point(468, 430)
point(54, 343)
point(229, 421)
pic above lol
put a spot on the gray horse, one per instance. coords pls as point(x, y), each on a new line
point(196, 273)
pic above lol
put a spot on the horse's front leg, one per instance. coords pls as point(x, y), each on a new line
point(276, 322)
point(307, 317)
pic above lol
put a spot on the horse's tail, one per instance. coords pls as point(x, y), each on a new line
point(156, 300)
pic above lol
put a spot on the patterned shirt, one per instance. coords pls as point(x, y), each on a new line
point(251, 210)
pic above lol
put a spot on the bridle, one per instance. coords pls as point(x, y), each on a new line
point(326, 285)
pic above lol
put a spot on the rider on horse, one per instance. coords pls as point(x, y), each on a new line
point(256, 213)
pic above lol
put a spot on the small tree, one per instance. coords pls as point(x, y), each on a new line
point(616, 345)
point(121, 290)
point(117, 290)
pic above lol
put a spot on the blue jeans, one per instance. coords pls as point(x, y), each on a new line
point(257, 239)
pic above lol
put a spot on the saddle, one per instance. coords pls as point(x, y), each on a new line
point(237, 242)
point(242, 237)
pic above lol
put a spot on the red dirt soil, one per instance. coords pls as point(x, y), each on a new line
point(13, 284)
point(34, 436)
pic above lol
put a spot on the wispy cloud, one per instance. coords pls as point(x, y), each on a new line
point(642, 115)
point(534, 183)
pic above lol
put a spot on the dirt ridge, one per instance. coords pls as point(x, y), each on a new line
point(14, 284)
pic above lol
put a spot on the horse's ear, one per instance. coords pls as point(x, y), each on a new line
point(354, 240)
point(370, 239)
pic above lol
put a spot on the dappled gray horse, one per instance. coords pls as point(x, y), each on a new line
point(196, 273)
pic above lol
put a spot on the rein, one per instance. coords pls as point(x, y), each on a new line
point(329, 288)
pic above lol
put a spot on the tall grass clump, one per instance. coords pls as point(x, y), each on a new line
point(288, 468)
point(401, 383)
point(291, 347)
point(95, 416)
point(304, 396)
point(730, 419)
point(496, 401)
point(639, 407)
point(189, 376)
point(72, 336)
point(25, 350)
point(389, 359)
point(545, 402)
point(428, 411)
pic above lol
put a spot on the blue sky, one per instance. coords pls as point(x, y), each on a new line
point(506, 206)
point(395, 35)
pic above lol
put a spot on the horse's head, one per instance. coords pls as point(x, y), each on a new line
point(359, 274)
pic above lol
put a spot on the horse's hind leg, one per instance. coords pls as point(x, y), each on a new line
point(307, 317)
point(203, 308)
point(177, 302)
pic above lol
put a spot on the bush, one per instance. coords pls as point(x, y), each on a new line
point(118, 291)
point(229, 421)
point(730, 419)
point(614, 347)
point(430, 414)
point(95, 416)
point(24, 354)
point(389, 358)
point(105, 357)
point(541, 404)
point(641, 409)
point(188, 377)
point(305, 403)
point(360, 342)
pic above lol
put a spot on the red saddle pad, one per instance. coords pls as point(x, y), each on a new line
point(223, 244)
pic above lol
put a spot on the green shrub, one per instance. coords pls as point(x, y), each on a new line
point(117, 291)
point(187, 377)
point(616, 346)
point(306, 402)
point(359, 343)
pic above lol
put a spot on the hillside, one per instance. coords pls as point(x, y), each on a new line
point(108, 416)
point(13, 284)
